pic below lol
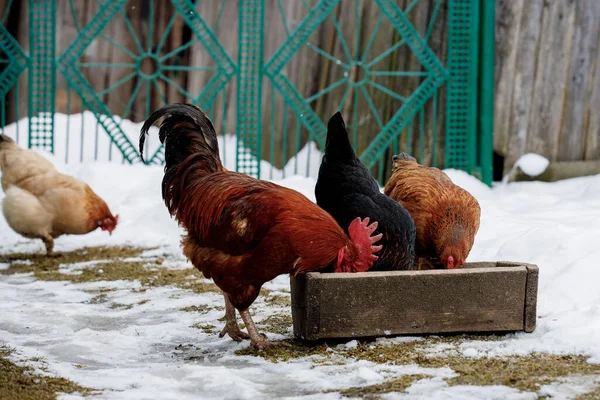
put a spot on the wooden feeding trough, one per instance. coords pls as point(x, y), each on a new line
point(478, 297)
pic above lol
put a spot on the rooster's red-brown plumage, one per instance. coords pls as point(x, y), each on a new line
point(243, 232)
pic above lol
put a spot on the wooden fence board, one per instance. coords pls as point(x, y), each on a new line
point(592, 137)
point(585, 42)
point(508, 30)
point(551, 77)
point(522, 82)
point(553, 109)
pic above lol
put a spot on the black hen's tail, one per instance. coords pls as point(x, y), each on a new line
point(337, 146)
point(191, 148)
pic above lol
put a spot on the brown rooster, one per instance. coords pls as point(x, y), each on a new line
point(243, 232)
point(42, 203)
point(446, 216)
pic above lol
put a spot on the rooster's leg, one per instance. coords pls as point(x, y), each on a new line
point(258, 341)
point(231, 326)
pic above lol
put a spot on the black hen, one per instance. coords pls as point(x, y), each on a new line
point(346, 189)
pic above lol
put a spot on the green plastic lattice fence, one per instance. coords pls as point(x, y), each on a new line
point(42, 74)
point(274, 116)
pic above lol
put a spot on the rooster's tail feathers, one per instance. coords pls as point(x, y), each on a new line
point(185, 130)
point(191, 149)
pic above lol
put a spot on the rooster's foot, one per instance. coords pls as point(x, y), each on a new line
point(259, 340)
point(231, 326)
point(261, 344)
point(234, 333)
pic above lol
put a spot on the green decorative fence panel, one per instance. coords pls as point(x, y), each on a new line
point(42, 74)
point(249, 88)
point(408, 75)
point(13, 63)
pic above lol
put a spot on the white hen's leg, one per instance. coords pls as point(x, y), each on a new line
point(49, 242)
point(25, 215)
point(258, 341)
point(231, 326)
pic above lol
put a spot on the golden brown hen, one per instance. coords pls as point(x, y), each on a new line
point(446, 216)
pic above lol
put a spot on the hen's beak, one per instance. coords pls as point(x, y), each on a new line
point(450, 263)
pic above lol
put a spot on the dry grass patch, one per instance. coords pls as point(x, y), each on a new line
point(279, 323)
point(206, 328)
point(375, 391)
point(111, 265)
point(21, 383)
point(527, 373)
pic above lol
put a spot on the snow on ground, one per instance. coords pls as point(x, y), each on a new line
point(152, 349)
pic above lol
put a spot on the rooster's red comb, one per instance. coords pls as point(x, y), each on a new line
point(361, 234)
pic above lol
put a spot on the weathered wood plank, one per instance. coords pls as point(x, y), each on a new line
point(227, 34)
point(138, 17)
point(531, 292)
point(585, 42)
point(558, 170)
point(175, 41)
point(399, 60)
point(551, 78)
point(592, 129)
point(508, 31)
point(304, 70)
point(553, 83)
point(327, 39)
point(486, 297)
point(419, 18)
point(347, 19)
point(13, 25)
point(198, 56)
point(523, 82)
point(22, 36)
point(119, 98)
point(439, 44)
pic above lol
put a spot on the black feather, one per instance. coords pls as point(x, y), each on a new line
point(191, 147)
point(174, 114)
point(346, 189)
